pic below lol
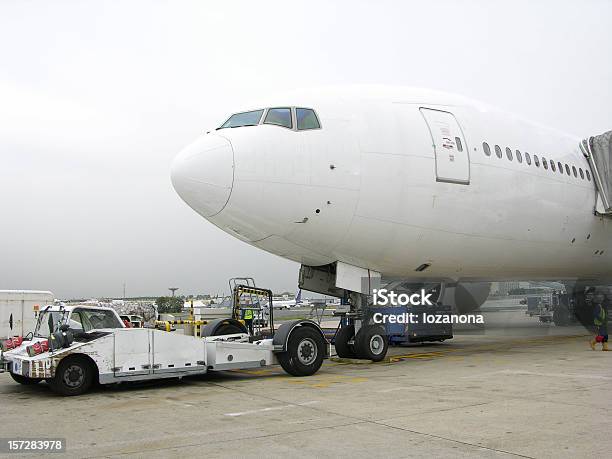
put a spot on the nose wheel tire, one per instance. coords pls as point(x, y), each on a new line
point(371, 343)
point(73, 376)
point(341, 342)
point(305, 352)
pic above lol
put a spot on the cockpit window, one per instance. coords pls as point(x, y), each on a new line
point(243, 119)
point(306, 119)
point(279, 117)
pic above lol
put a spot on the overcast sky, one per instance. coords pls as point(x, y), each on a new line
point(96, 98)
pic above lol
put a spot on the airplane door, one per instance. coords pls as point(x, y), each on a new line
point(450, 148)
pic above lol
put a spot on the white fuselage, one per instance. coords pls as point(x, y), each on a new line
point(383, 185)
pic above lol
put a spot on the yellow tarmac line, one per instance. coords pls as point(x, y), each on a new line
point(450, 353)
point(469, 349)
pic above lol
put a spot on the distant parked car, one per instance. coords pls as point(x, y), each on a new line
point(132, 319)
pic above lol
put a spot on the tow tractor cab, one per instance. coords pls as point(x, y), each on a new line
point(74, 347)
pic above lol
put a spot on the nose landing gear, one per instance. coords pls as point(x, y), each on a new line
point(370, 342)
point(345, 342)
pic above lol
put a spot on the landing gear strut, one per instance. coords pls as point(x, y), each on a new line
point(358, 336)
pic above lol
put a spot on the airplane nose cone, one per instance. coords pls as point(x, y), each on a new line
point(203, 173)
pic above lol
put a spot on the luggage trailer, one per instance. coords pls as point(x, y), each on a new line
point(74, 347)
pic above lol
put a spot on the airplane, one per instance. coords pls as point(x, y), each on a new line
point(363, 183)
point(281, 303)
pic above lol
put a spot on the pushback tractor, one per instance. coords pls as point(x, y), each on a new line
point(74, 347)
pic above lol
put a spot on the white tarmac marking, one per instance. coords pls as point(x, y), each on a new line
point(271, 408)
point(392, 389)
point(176, 402)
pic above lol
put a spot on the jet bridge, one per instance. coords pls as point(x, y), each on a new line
point(598, 150)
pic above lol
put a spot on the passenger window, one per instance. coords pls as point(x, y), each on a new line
point(581, 173)
point(553, 167)
point(279, 117)
point(485, 147)
point(536, 161)
point(509, 153)
point(560, 168)
point(567, 170)
point(588, 174)
point(574, 171)
point(306, 119)
point(519, 157)
point(458, 142)
point(528, 158)
point(544, 163)
point(498, 151)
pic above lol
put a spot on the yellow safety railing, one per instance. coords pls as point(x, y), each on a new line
point(167, 324)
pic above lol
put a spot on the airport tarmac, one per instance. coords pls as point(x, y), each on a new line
point(528, 390)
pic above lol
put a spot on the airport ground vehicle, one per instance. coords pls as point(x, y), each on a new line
point(19, 309)
point(418, 332)
point(533, 303)
point(564, 309)
point(74, 347)
point(542, 306)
